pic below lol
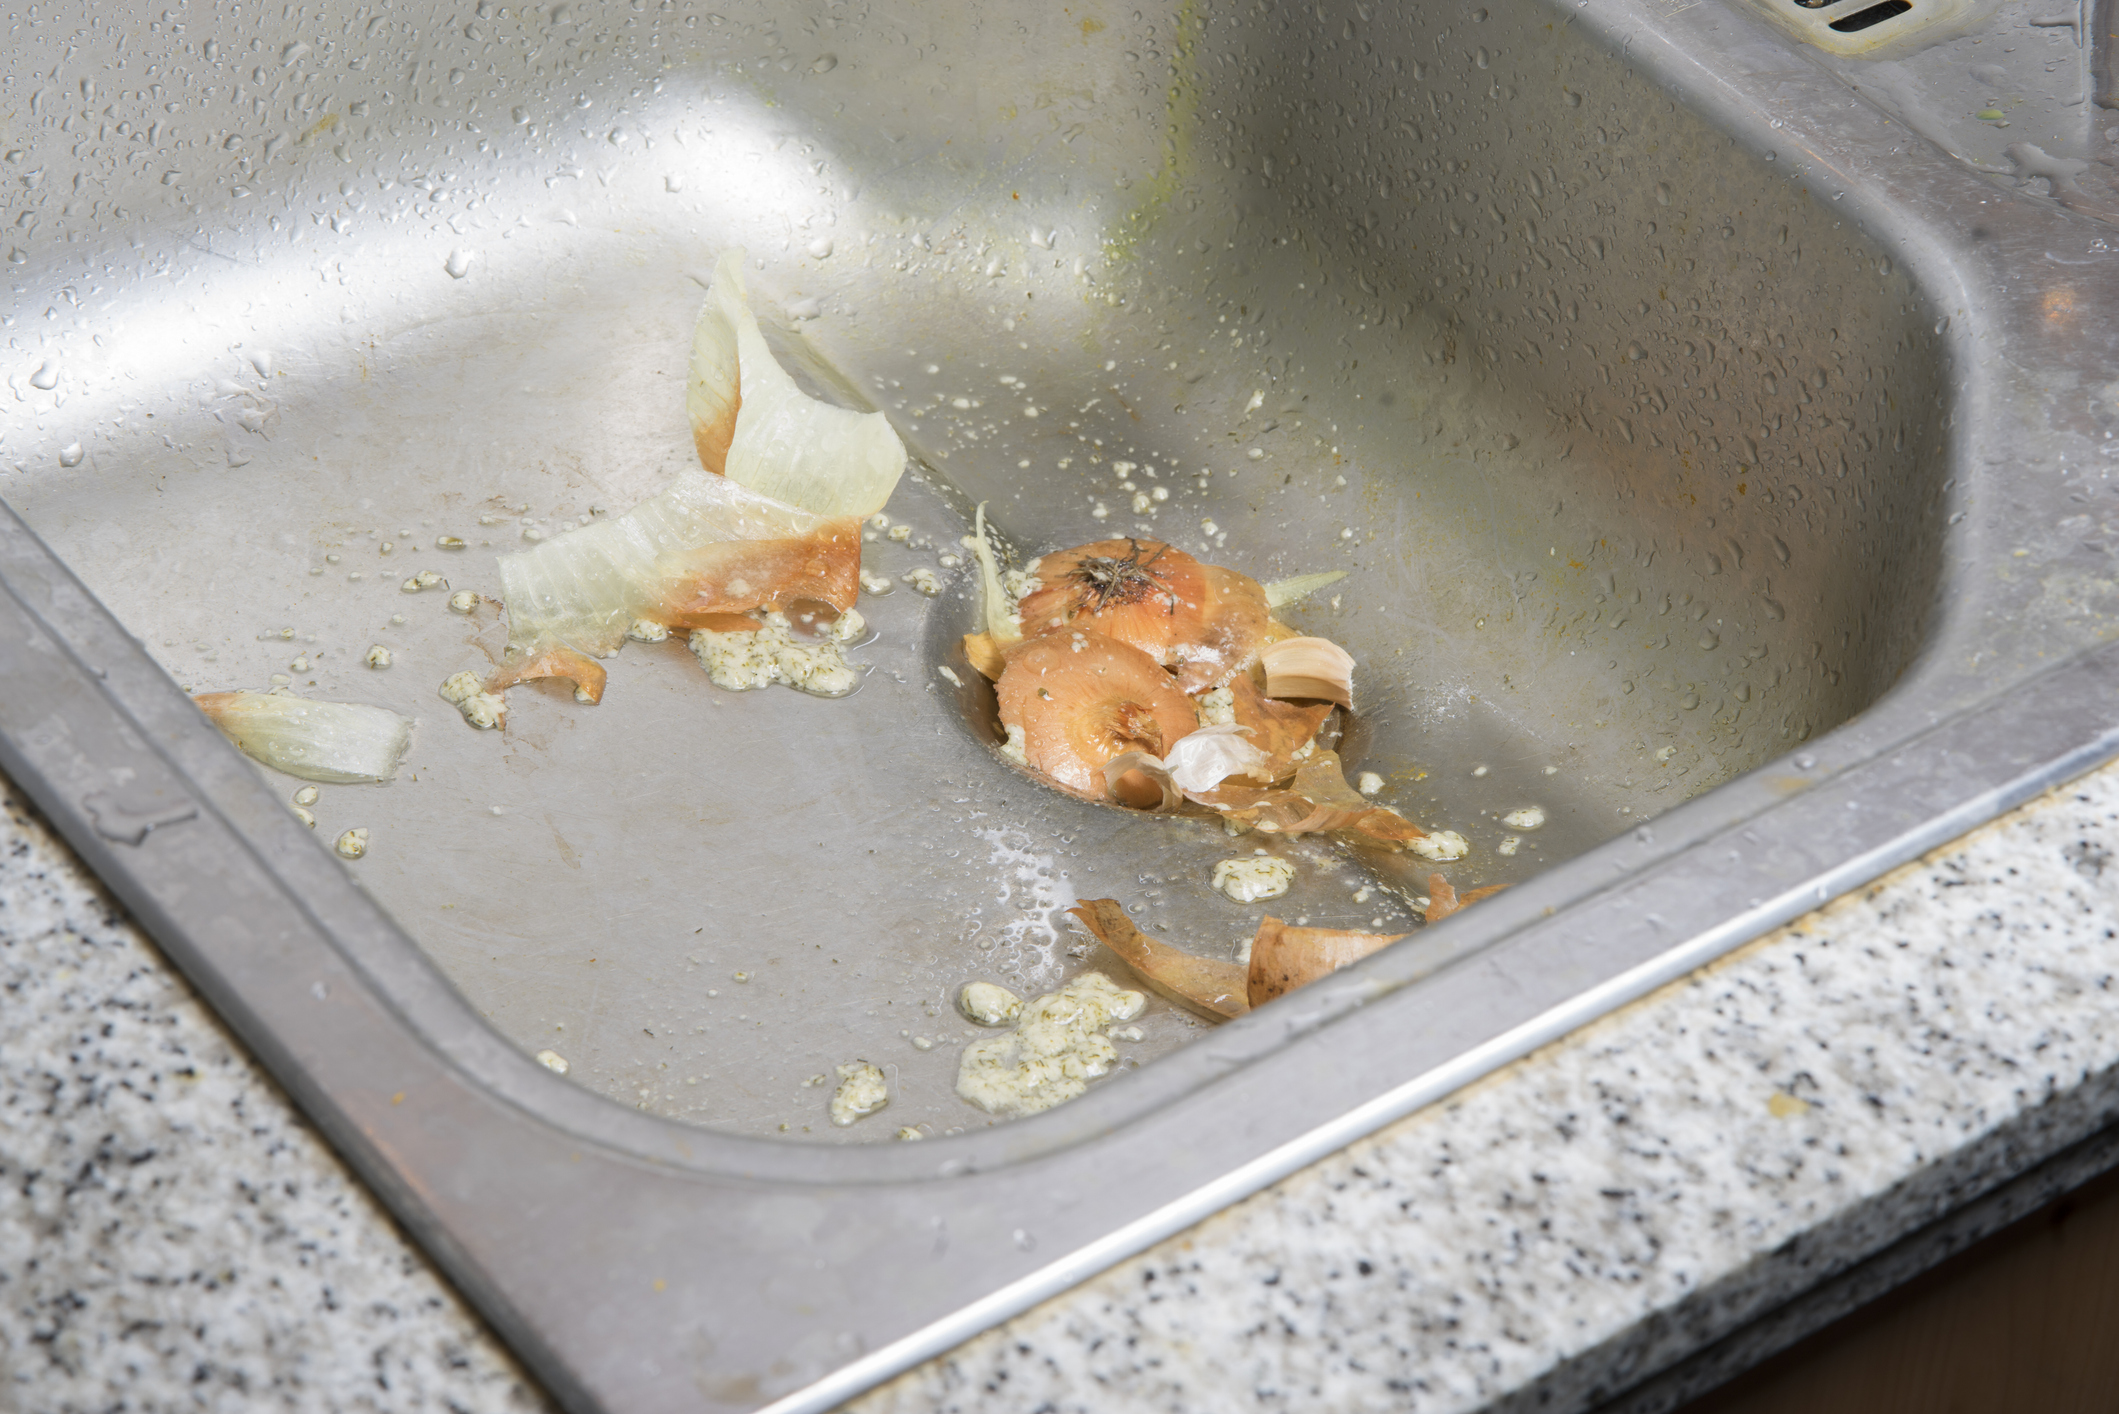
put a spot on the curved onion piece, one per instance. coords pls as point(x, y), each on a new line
point(552, 660)
point(337, 743)
point(584, 589)
point(1235, 624)
point(1279, 729)
point(737, 576)
point(1309, 667)
point(751, 423)
point(1284, 958)
point(1215, 990)
point(1316, 801)
point(1199, 763)
point(1081, 699)
point(985, 655)
point(1283, 592)
point(1003, 628)
point(1140, 592)
point(1444, 900)
point(1143, 781)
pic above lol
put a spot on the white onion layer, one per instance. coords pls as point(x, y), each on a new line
point(338, 743)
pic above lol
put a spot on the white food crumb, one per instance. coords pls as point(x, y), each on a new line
point(950, 562)
point(1141, 502)
point(988, 1003)
point(305, 817)
point(1130, 1033)
point(1249, 880)
point(1441, 846)
point(306, 795)
point(950, 673)
point(352, 844)
point(1022, 583)
point(1056, 1049)
point(482, 709)
point(1664, 753)
point(448, 542)
point(1478, 770)
point(299, 665)
point(876, 584)
point(922, 1043)
point(847, 627)
point(1528, 818)
point(1217, 708)
point(923, 579)
point(908, 1134)
point(899, 533)
point(1368, 783)
point(425, 579)
point(378, 657)
point(463, 601)
point(553, 1061)
point(744, 661)
point(645, 631)
point(1101, 511)
point(879, 521)
point(1509, 844)
point(861, 1092)
point(1014, 747)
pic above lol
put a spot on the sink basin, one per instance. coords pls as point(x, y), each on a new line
point(1717, 455)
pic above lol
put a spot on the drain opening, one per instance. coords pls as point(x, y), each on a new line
point(1874, 15)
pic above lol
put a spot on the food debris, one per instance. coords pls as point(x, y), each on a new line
point(988, 1003)
point(554, 1062)
point(482, 709)
point(923, 580)
point(1368, 783)
point(304, 816)
point(862, 1091)
point(306, 795)
point(463, 601)
point(1441, 846)
point(1055, 1050)
point(1249, 880)
point(425, 579)
point(908, 1134)
point(378, 657)
point(352, 844)
point(647, 631)
point(1530, 817)
point(745, 660)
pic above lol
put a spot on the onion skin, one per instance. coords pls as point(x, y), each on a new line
point(1309, 667)
point(1284, 958)
point(554, 660)
point(1443, 900)
point(1143, 593)
point(1279, 729)
point(336, 743)
point(1215, 990)
point(1081, 699)
point(739, 576)
point(1235, 625)
point(1318, 801)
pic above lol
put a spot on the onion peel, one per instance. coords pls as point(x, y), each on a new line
point(552, 660)
point(1283, 592)
point(1317, 801)
point(1215, 990)
point(1284, 957)
point(1309, 667)
point(1443, 899)
point(1279, 729)
point(985, 655)
point(336, 743)
point(740, 576)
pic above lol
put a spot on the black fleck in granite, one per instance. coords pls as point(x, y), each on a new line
point(172, 1236)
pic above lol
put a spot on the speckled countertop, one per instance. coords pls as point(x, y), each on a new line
point(174, 1236)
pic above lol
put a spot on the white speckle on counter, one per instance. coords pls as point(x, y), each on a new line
point(352, 844)
point(553, 1061)
point(1441, 846)
point(1253, 878)
point(1529, 818)
point(482, 709)
point(988, 1004)
point(1056, 1049)
point(862, 1091)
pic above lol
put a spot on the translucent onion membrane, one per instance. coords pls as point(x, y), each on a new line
point(1284, 957)
point(704, 546)
point(337, 743)
point(773, 518)
point(1442, 900)
point(752, 424)
point(1215, 990)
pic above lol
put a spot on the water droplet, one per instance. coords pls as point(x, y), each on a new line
point(1689, 701)
point(459, 263)
point(71, 454)
point(1710, 640)
point(673, 182)
point(825, 64)
point(293, 53)
point(820, 248)
point(46, 377)
point(211, 49)
point(264, 362)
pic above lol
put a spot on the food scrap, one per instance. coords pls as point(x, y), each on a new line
point(482, 709)
point(352, 844)
point(862, 1091)
point(1057, 1047)
point(334, 742)
point(1258, 877)
point(988, 1004)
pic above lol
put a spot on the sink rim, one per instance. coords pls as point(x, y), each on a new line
point(378, 970)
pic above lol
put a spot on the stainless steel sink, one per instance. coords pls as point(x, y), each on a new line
point(1716, 434)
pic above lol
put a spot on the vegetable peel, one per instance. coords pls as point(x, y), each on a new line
point(1216, 990)
point(337, 743)
point(1284, 957)
point(1309, 667)
point(1443, 900)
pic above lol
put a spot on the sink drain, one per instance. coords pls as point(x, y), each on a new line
point(1874, 29)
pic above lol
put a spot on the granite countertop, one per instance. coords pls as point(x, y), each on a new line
point(173, 1235)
